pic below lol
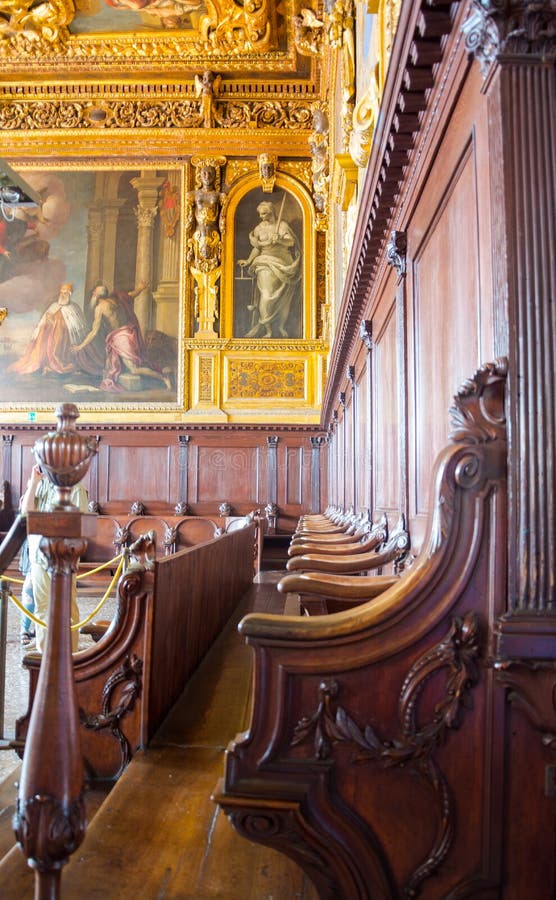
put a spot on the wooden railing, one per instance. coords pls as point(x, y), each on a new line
point(366, 759)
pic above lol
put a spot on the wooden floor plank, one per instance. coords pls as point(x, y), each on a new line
point(158, 835)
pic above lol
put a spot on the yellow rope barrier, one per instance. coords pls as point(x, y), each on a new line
point(115, 577)
point(26, 612)
point(99, 568)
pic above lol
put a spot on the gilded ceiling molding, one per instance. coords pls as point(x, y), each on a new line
point(510, 27)
point(30, 114)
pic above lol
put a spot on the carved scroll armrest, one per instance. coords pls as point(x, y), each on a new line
point(350, 564)
point(364, 588)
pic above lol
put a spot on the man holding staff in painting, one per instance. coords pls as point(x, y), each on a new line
point(125, 347)
point(275, 263)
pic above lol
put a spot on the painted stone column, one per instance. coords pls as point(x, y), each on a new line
point(147, 187)
point(166, 295)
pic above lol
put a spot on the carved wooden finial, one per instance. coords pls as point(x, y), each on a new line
point(64, 454)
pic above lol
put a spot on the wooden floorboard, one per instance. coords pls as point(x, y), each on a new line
point(158, 835)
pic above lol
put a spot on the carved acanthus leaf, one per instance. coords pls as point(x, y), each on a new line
point(458, 653)
point(32, 29)
point(510, 27)
point(477, 415)
point(128, 677)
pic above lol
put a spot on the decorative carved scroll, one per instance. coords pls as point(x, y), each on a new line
point(396, 250)
point(128, 677)
point(478, 413)
point(329, 726)
point(34, 29)
point(510, 27)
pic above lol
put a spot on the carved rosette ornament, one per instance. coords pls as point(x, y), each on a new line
point(331, 725)
point(498, 28)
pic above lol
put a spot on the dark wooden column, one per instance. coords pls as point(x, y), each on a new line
point(94, 505)
point(350, 375)
point(333, 459)
point(342, 462)
point(365, 332)
point(182, 506)
point(50, 819)
point(515, 43)
point(396, 252)
point(7, 448)
point(316, 444)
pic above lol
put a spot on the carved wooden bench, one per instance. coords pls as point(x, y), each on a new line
point(169, 611)
point(366, 759)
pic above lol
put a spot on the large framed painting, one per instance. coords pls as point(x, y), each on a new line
point(92, 282)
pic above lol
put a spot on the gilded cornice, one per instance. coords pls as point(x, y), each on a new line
point(136, 113)
point(258, 345)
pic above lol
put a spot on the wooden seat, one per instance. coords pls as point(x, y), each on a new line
point(394, 550)
point(366, 749)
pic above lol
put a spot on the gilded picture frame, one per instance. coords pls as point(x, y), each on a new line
point(252, 216)
point(93, 282)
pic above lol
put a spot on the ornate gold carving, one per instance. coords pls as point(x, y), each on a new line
point(32, 29)
point(340, 29)
point(302, 171)
point(206, 368)
point(236, 29)
point(266, 378)
point(207, 87)
point(267, 171)
point(364, 120)
point(3, 313)
point(318, 144)
point(308, 32)
point(204, 247)
point(366, 108)
point(134, 113)
point(344, 180)
point(236, 168)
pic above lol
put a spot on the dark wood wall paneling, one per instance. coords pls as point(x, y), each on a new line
point(159, 469)
point(427, 322)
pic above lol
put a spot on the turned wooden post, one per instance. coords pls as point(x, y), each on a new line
point(50, 819)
